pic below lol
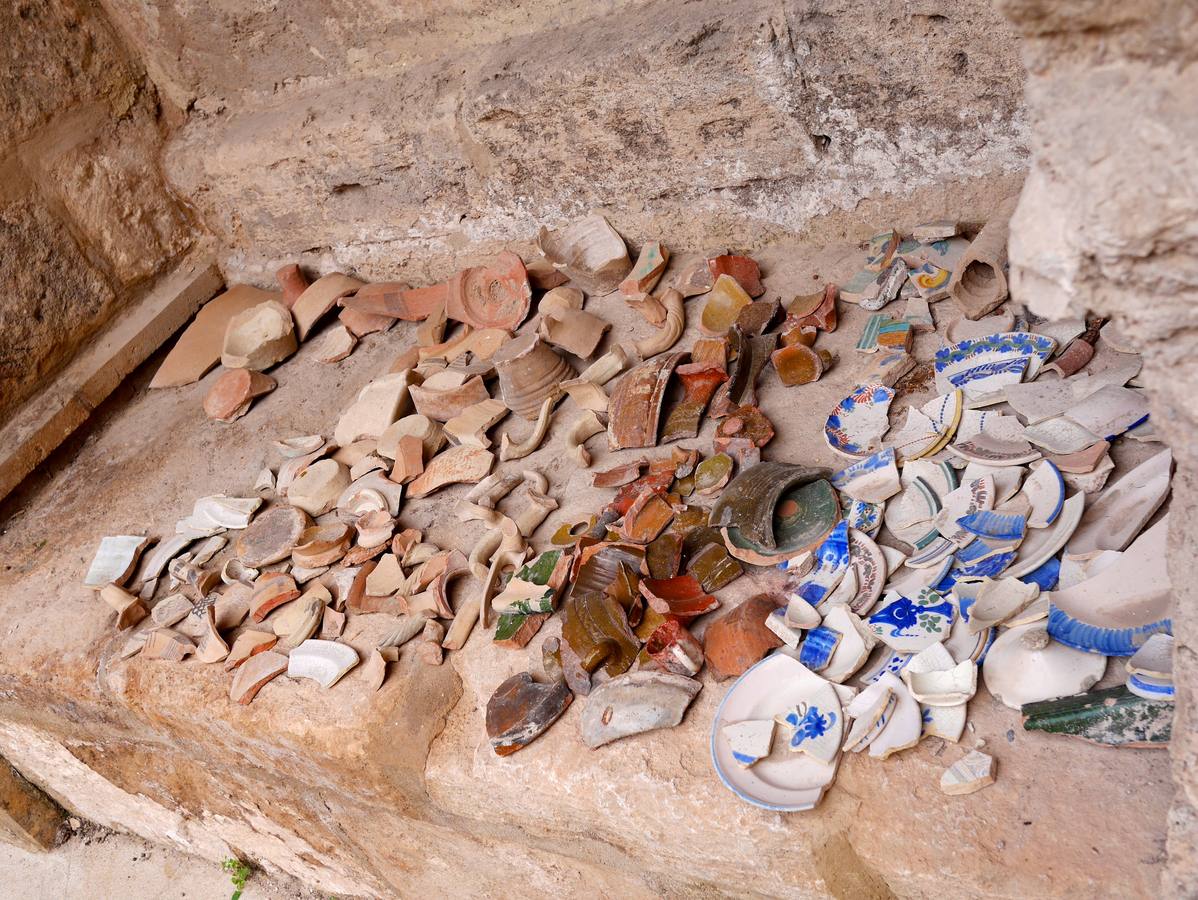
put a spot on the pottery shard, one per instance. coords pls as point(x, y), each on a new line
point(590, 251)
point(446, 395)
point(319, 298)
point(254, 673)
point(494, 296)
point(293, 282)
point(972, 773)
point(647, 271)
point(168, 644)
point(247, 644)
point(259, 338)
point(798, 364)
point(455, 466)
point(271, 591)
point(233, 392)
point(360, 324)
point(635, 404)
point(979, 282)
point(530, 372)
point(724, 303)
point(743, 268)
point(337, 345)
point(317, 488)
point(272, 536)
point(634, 703)
point(199, 347)
point(521, 709)
point(741, 638)
point(377, 405)
point(128, 607)
point(115, 558)
point(574, 331)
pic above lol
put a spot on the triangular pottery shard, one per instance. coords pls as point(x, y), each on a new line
point(521, 709)
point(198, 348)
point(254, 673)
point(635, 703)
point(590, 251)
point(115, 559)
point(455, 466)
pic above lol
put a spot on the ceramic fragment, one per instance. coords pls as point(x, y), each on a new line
point(911, 624)
point(798, 364)
point(165, 643)
point(377, 405)
point(198, 348)
point(530, 372)
point(446, 395)
point(856, 425)
point(750, 741)
point(895, 729)
point(255, 673)
point(317, 489)
point(337, 344)
point(522, 709)
point(968, 775)
point(1118, 514)
point(979, 282)
point(453, 466)
point(271, 590)
point(1154, 658)
point(699, 382)
point(723, 305)
point(1082, 461)
point(492, 296)
point(1112, 717)
point(649, 266)
point(738, 640)
point(586, 394)
point(634, 703)
point(1024, 665)
point(247, 644)
point(128, 607)
point(509, 450)
point(636, 400)
point(852, 648)
point(470, 426)
point(815, 724)
point(751, 498)
point(115, 559)
point(1060, 435)
point(1149, 688)
point(430, 433)
point(325, 662)
point(259, 337)
point(831, 563)
point(585, 426)
point(791, 633)
point(298, 621)
point(589, 251)
point(874, 479)
point(743, 268)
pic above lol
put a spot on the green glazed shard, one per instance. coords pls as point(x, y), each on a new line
point(1114, 717)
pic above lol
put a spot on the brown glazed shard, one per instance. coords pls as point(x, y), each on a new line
point(494, 296)
point(648, 516)
point(741, 388)
point(755, 319)
point(521, 709)
point(743, 268)
point(398, 301)
point(822, 316)
point(699, 382)
point(744, 422)
point(714, 567)
point(748, 501)
point(596, 628)
point(620, 475)
point(634, 408)
point(663, 556)
point(740, 639)
point(680, 596)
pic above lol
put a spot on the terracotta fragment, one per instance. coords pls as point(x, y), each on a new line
point(723, 305)
point(740, 639)
point(522, 709)
point(589, 251)
point(292, 282)
point(543, 276)
point(428, 649)
point(651, 309)
point(744, 422)
point(585, 426)
point(493, 296)
point(377, 405)
point(360, 324)
point(338, 344)
point(635, 703)
point(755, 319)
point(646, 518)
point(198, 349)
point(699, 382)
point(247, 644)
point(254, 674)
point(323, 545)
point(170, 610)
point(560, 300)
point(619, 475)
point(210, 647)
point(798, 364)
point(409, 459)
point(529, 373)
point(398, 301)
point(573, 331)
point(743, 268)
point(635, 403)
point(234, 391)
point(318, 487)
point(820, 314)
point(271, 590)
point(431, 435)
point(671, 327)
point(299, 620)
point(168, 644)
point(319, 298)
point(675, 649)
point(694, 278)
point(1083, 461)
point(259, 338)
point(128, 607)
point(680, 596)
point(596, 628)
point(447, 394)
point(649, 266)
point(979, 282)
point(454, 466)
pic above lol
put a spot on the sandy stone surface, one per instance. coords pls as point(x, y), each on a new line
point(398, 793)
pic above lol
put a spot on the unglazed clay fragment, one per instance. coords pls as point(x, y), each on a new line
point(979, 282)
point(431, 436)
point(635, 403)
point(493, 296)
point(271, 591)
point(234, 391)
point(596, 628)
point(319, 298)
point(259, 337)
point(318, 487)
point(254, 673)
point(337, 344)
point(128, 607)
point(529, 373)
point(398, 301)
point(634, 703)
point(377, 405)
point(454, 466)
point(325, 662)
point(115, 558)
point(198, 348)
point(647, 271)
point(741, 638)
point(669, 331)
point(589, 251)
point(967, 775)
point(165, 643)
point(448, 394)
point(298, 621)
point(521, 709)
point(749, 501)
point(247, 644)
point(743, 268)
point(585, 426)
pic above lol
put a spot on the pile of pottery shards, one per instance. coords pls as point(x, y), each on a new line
point(1015, 557)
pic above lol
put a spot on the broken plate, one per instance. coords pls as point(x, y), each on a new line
point(1116, 515)
point(970, 359)
point(783, 781)
point(874, 479)
point(909, 625)
point(1025, 665)
point(856, 425)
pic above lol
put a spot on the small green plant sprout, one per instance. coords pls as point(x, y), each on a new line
point(239, 873)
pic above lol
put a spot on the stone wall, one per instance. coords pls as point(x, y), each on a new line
point(386, 138)
point(1109, 221)
point(85, 215)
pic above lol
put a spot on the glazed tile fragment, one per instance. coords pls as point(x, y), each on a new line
point(634, 703)
point(1111, 717)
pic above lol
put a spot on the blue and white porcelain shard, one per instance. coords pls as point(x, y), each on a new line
point(909, 580)
point(1024, 665)
point(1046, 577)
point(984, 385)
point(818, 647)
point(972, 496)
point(1044, 489)
point(1154, 658)
point(1042, 544)
point(978, 549)
point(994, 526)
point(864, 517)
point(905, 723)
point(874, 479)
point(887, 660)
point(917, 435)
point(962, 643)
point(749, 741)
point(782, 781)
point(1118, 609)
point(932, 554)
point(912, 624)
point(831, 561)
point(1150, 688)
point(993, 348)
point(940, 477)
point(814, 728)
point(856, 425)
point(992, 451)
point(988, 567)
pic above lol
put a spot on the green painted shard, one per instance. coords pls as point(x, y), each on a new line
point(1114, 717)
point(539, 570)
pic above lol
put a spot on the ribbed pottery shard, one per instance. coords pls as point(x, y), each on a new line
point(635, 403)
